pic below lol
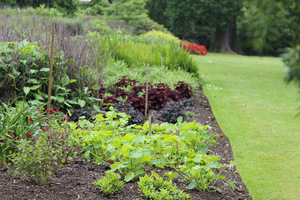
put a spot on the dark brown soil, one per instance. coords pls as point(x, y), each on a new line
point(75, 181)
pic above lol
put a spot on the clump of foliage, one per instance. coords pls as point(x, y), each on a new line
point(43, 151)
point(131, 150)
point(110, 184)
point(24, 72)
point(161, 36)
point(15, 122)
point(158, 189)
point(193, 48)
point(159, 94)
point(171, 112)
point(136, 116)
point(137, 54)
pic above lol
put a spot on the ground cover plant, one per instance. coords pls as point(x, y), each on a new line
point(258, 112)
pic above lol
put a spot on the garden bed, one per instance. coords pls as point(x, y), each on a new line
point(75, 181)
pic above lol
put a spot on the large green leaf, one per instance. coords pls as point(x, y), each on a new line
point(81, 103)
point(26, 90)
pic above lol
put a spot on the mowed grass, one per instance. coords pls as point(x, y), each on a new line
point(257, 110)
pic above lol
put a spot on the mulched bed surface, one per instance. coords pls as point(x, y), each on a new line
point(75, 181)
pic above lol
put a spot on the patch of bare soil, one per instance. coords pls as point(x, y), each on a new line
point(75, 181)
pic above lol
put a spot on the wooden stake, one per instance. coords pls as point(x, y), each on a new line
point(51, 66)
point(146, 100)
point(150, 125)
point(172, 88)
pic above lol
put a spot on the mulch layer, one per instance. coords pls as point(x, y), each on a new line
point(75, 181)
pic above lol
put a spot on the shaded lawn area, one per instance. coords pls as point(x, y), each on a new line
point(257, 111)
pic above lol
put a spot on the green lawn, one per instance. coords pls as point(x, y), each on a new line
point(257, 111)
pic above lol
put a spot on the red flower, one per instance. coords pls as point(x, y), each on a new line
point(79, 149)
point(62, 137)
point(35, 139)
point(68, 161)
point(20, 138)
point(48, 137)
point(13, 137)
point(1, 140)
point(47, 110)
point(30, 119)
point(109, 161)
point(47, 128)
point(57, 110)
point(28, 134)
point(52, 109)
point(11, 132)
point(1, 163)
point(37, 108)
point(43, 128)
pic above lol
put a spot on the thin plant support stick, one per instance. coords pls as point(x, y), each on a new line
point(172, 87)
point(146, 100)
point(150, 125)
point(177, 133)
point(51, 66)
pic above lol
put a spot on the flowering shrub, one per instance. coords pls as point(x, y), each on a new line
point(193, 48)
point(39, 155)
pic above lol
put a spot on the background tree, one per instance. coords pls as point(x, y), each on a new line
point(128, 10)
point(200, 19)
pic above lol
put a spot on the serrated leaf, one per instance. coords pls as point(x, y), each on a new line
point(129, 177)
point(192, 185)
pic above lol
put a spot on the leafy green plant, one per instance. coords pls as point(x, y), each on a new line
point(15, 122)
point(190, 114)
point(45, 150)
point(110, 184)
point(131, 150)
point(159, 189)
